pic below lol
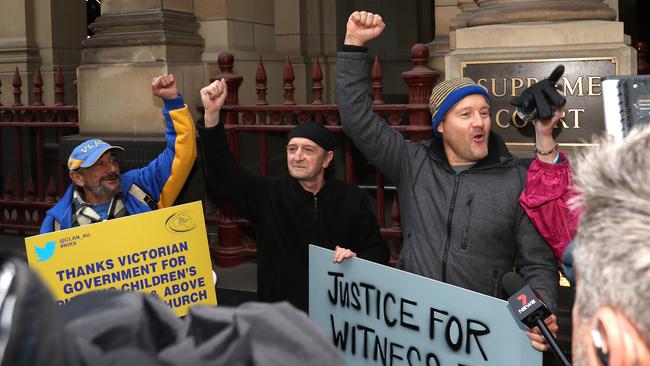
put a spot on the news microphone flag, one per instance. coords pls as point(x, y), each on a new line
point(523, 300)
point(530, 309)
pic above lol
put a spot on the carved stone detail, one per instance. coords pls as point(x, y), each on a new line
point(488, 12)
point(145, 27)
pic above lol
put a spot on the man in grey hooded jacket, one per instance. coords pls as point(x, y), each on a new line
point(458, 193)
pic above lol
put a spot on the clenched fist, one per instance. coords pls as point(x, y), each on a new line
point(213, 97)
point(362, 27)
point(164, 86)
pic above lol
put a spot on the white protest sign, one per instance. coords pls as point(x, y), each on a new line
point(377, 315)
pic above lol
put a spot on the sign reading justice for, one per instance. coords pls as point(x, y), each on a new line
point(377, 315)
point(162, 252)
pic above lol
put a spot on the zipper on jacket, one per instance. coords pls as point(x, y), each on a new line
point(463, 244)
point(450, 217)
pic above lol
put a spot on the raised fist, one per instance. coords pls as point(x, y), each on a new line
point(362, 27)
point(213, 97)
point(164, 86)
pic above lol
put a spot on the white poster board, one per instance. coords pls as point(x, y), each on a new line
point(378, 315)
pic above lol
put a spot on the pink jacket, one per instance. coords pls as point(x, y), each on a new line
point(545, 199)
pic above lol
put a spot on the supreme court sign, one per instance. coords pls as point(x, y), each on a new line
point(581, 82)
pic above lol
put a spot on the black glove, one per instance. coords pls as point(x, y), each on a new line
point(541, 99)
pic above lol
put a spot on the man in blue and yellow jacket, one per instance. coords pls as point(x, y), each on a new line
point(99, 192)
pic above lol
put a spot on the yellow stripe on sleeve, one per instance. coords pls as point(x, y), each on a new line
point(184, 156)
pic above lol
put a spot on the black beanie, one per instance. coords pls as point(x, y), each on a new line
point(315, 132)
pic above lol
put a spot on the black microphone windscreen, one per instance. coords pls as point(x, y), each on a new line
point(512, 282)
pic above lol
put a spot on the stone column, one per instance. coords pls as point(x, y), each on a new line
point(38, 33)
point(447, 13)
point(134, 41)
point(17, 43)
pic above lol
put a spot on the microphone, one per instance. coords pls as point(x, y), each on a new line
point(530, 309)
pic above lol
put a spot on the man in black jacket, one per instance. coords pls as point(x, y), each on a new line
point(290, 212)
point(458, 193)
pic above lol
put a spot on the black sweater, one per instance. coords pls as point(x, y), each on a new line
point(288, 218)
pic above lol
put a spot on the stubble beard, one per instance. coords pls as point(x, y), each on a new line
point(102, 190)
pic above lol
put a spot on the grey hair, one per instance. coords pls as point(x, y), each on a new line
point(612, 253)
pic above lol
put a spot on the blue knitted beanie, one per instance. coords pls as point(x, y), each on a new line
point(446, 94)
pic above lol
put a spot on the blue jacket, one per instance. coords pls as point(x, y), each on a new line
point(161, 180)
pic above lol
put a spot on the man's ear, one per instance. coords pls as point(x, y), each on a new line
point(76, 178)
point(329, 155)
point(618, 340)
point(441, 127)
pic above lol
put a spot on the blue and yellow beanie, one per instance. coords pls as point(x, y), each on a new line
point(446, 94)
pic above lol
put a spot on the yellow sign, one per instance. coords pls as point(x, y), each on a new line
point(163, 252)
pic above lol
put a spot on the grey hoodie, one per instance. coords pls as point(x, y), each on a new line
point(466, 228)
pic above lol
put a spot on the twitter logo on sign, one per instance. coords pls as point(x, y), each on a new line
point(45, 252)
